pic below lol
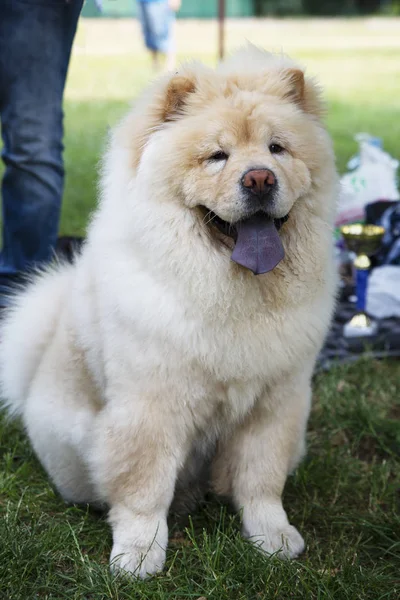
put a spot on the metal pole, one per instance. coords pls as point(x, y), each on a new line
point(221, 22)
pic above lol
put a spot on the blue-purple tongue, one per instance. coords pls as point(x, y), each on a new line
point(258, 246)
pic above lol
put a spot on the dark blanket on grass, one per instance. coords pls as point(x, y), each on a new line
point(338, 349)
point(386, 342)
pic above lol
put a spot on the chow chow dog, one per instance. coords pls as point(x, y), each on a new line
point(186, 331)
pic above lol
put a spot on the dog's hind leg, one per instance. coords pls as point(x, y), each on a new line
point(59, 419)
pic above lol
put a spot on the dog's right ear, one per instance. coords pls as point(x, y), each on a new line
point(163, 103)
point(176, 95)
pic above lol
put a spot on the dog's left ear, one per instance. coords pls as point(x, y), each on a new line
point(303, 92)
point(176, 95)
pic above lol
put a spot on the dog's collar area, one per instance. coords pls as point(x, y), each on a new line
point(230, 229)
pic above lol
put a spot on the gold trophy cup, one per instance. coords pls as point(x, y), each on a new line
point(364, 241)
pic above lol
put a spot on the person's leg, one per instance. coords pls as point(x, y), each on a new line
point(161, 18)
point(156, 60)
point(171, 50)
point(35, 43)
point(171, 43)
point(156, 19)
point(143, 17)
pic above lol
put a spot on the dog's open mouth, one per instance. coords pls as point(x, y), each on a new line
point(258, 246)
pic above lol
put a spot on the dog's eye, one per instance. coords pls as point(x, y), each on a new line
point(217, 156)
point(276, 149)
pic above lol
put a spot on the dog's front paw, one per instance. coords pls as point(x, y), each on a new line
point(140, 543)
point(286, 542)
point(272, 532)
point(139, 562)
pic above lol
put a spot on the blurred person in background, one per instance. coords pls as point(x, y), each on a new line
point(35, 45)
point(157, 18)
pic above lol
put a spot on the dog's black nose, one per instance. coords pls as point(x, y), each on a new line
point(258, 181)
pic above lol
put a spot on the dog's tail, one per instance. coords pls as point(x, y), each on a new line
point(26, 329)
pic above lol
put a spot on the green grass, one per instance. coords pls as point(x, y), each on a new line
point(343, 498)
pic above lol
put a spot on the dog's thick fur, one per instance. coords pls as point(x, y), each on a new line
point(154, 349)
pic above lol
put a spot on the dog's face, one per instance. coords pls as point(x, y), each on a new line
point(229, 146)
point(241, 155)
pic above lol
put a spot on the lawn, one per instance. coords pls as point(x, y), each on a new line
point(344, 497)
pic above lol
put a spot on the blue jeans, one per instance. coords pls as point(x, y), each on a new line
point(35, 44)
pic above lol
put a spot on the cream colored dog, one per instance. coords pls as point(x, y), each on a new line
point(159, 347)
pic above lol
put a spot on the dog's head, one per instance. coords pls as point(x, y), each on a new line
point(242, 142)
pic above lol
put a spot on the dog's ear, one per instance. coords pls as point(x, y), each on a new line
point(295, 84)
point(176, 95)
point(163, 102)
point(303, 92)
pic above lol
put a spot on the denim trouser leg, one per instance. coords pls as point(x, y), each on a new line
point(35, 44)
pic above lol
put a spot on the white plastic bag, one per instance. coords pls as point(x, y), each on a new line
point(383, 293)
point(373, 179)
